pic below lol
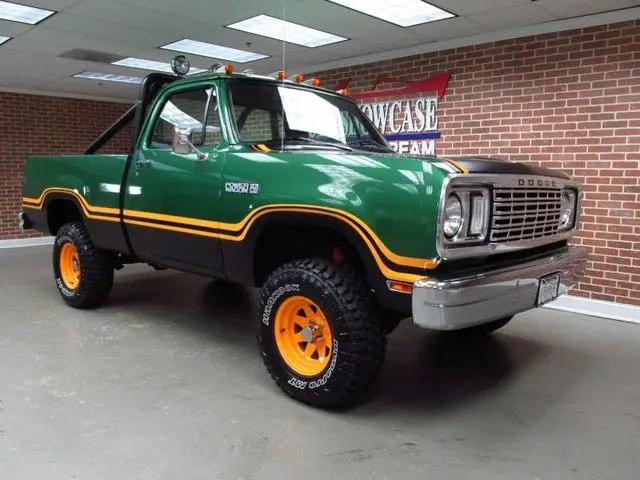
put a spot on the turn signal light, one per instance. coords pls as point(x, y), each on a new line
point(400, 287)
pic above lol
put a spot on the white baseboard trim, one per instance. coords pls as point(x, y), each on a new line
point(597, 308)
point(26, 242)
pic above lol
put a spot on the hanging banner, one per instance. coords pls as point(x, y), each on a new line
point(406, 116)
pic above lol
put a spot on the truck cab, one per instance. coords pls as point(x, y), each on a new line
point(276, 183)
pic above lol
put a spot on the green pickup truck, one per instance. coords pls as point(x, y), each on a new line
point(281, 184)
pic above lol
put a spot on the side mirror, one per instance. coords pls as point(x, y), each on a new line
point(182, 145)
point(182, 140)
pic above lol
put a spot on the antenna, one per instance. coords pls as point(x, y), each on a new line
point(284, 35)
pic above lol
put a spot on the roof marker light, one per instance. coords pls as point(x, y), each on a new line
point(282, 75)
point(228, 68)
point(299, 78)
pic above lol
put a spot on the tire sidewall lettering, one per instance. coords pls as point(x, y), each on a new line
point(273, 299)
point(332, 365)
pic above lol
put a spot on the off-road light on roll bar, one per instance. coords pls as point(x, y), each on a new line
point(180, 65)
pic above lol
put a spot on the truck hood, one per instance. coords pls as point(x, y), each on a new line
point(485, 165)
point(463, 164)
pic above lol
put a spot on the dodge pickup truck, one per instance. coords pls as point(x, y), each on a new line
point(280, 184)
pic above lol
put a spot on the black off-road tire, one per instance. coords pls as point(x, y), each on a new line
point(96, 269)
point(358, 336)
point(482, 329)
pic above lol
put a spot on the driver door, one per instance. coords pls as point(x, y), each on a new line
point(171, 199)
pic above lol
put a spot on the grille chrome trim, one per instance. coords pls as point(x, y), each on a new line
point(542, 188)
point(525, 213)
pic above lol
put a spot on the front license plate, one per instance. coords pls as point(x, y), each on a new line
point(548, 288)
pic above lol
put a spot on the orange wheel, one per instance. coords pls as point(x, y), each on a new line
point(303, 336)
point(70, 266)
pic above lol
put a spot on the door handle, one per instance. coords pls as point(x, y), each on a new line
point(142, 163)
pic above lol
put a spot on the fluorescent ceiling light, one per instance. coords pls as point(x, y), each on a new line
point(151, 65)
point(214, 51)
point(108, 77)
point(4, 39)
point(23, 13)
point(405, 13)
point(275, 28)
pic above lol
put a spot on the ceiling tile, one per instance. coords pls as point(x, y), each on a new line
point(449, 28)
point(12, 29)
point(214, 12)
point(55, 5)
point(105, 30)
point(510, 17)
point(574, 8)
point(44, 36)
point(466, 7)
point(390, 41)
point(136, 17)
point(82, 86)
point(336, 19)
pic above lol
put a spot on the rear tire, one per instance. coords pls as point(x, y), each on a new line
point(339, 317)
point(83, 273)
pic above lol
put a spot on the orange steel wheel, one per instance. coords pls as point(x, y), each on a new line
point(303, 336)
point(70, 265)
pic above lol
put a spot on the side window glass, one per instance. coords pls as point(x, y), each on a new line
point(184, 109)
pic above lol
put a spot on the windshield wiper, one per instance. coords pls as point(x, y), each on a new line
point(314, 142)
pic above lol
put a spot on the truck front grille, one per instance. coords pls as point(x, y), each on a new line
point(525, 213)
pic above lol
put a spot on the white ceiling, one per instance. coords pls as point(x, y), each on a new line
point(30, 60)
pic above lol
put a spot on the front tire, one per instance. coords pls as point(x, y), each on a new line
point(319, 334)
point(82, 272)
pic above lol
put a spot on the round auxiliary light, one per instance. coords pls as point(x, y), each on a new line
point(453, 216)
point(180, 65)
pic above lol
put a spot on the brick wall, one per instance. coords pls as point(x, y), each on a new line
point(32, 125)
point(567, 100)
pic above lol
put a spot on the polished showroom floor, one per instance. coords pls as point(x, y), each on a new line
point(164, 382)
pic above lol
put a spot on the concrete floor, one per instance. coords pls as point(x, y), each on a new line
point(165, 382)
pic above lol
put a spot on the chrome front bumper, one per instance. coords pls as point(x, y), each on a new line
point(463, 302)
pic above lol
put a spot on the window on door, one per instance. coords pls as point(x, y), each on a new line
point(195, 109)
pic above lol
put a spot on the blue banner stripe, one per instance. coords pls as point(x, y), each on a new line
point(413, 136)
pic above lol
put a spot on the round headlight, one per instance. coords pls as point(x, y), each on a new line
point(566, 212)
point(453, 216)
point(180, 65)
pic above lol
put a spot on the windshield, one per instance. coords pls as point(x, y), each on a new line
point(280, 114)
